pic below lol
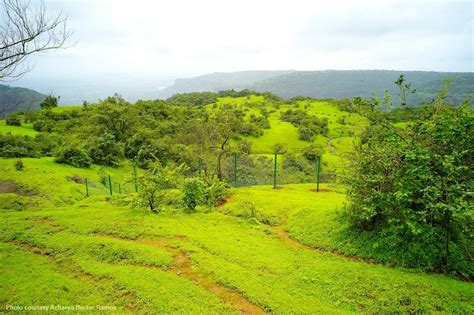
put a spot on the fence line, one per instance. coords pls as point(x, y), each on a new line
point(238, 171)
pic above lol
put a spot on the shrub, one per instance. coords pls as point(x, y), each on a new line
point(154, 181)
point(49, 102)
point(306, 134)
point(215, 192)
point(19, 165)
point(13, 120)
point(43, 125)
point(47, 143)
point(105, 151)
point(17, 146)
point(410, 188)
point(193, 190)
point(73, 155)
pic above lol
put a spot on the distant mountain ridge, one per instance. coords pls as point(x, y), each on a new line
point(219, 81)
point(329, 83)
point(13, 99)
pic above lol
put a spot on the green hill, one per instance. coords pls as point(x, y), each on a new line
point(18, 99)
point(90, 238)
point(331, 83)
point(219, 81)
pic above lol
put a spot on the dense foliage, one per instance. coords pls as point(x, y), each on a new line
point(14, 119)
point(49, 102)
point(73, 155)
point(411, 188)
point(308, 125)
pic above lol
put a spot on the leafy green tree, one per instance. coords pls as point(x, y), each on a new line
point(73, 155)
point(193, 190)
point(14, 119)
point(49, 102)
point(104, 150)
point(114, 117)
point(412, 187)
point(157, 179)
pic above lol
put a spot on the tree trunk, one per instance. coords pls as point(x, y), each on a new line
point(446, 244)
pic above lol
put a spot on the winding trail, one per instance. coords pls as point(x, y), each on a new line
point(288, 241)
point(183, 267)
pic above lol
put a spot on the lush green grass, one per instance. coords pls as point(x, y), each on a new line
point(23, 130)
point(94, 251)
point(337, 144)
point(55, 184)
point(61, 109)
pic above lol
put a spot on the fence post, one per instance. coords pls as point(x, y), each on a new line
point(318, 173)
point(87, 188)
point(235, 168)
point(120, 188)
point(275, 171)
point(110, 185)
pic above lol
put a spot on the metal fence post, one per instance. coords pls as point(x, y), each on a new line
point(318, 174)
point(87, 188)
point(275, 171)
point(110, 185)
point(120, 188)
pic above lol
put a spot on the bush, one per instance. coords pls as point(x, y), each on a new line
point(17, 146)
point(47, 143)
point(43, 125)
point(13, 120)
point(155, 181)
point(306, 134)
point(410, 188)
point(19, 165)
point(105, 151)
point(193, 190)
point(49, 102)
point(73, 155)
point(215, 192)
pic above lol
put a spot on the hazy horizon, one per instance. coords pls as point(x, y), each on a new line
point(136, 48)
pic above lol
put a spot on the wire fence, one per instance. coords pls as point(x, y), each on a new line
point(270, 169)
point(237, 170)
point(109, 185)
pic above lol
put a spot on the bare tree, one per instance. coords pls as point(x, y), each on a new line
point(26, 29)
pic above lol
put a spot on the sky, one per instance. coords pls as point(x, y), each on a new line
point(150, 43)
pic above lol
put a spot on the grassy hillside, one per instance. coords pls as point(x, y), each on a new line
point(336, 144)
point(257, 250)
point(25, 129)
point(101, 251)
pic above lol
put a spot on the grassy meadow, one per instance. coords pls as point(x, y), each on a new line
point(264, 250)
point(101, 251)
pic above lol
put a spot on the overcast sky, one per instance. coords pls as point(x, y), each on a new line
point(155, 40)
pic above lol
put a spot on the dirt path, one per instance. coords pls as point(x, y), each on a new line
point(288, 241)
point(182, 267)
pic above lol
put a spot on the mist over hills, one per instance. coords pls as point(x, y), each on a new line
point(284, 83)
point(329, 83)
